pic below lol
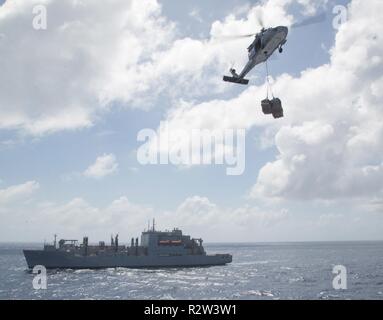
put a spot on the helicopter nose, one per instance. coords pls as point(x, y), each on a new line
point(285, 30)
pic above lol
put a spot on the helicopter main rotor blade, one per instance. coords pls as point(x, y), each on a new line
point(321, 17)
point(259, 16)
point(234, 37)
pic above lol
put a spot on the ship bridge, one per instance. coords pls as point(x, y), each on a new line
point(170, 243)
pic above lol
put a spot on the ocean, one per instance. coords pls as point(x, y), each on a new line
point(258, 271)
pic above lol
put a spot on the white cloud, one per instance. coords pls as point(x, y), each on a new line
point(195, 14)
point(214, 56)
point(64, 77)
point(310, 7)
point(345, 158)
point(329, 144)
point(18, 192)
point(199, 213)
point(94, 54)
point(74, 218)
point(103, 166)
point(330, 141)
point(195, 215)
point(330, 219)
point(375, 205)
point(80, 216)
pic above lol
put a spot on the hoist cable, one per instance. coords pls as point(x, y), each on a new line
point(269, 86)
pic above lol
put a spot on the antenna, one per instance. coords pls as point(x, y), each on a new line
point(55, 240)
point(154, 223)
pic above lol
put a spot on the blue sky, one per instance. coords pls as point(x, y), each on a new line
point(57, 158)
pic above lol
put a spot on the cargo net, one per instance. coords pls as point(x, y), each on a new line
point(273, 106)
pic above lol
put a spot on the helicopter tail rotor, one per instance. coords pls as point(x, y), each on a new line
point(234, 73)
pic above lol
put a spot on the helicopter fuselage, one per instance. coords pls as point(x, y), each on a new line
point(263, 46)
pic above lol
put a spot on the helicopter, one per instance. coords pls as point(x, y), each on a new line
point(266, 42)
point(263, 46)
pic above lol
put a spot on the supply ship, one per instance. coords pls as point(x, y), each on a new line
point(157, 249)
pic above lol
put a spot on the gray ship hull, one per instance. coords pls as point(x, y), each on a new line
point(64, 260)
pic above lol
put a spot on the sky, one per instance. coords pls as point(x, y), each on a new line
point(75, 95)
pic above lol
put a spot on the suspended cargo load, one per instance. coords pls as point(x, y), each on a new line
point(273, 107)
point(266, 106)
point(276, 108)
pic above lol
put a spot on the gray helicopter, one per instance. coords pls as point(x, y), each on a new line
point(263, 46)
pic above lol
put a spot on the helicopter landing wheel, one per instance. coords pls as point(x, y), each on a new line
point(280, 49)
